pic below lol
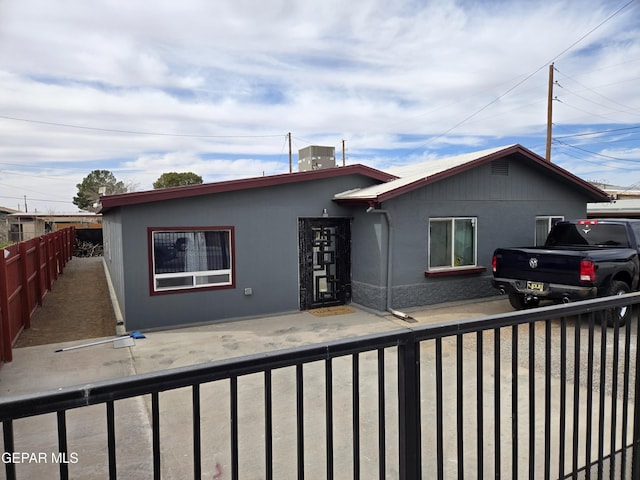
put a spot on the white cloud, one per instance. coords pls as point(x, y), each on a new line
point(223, 82)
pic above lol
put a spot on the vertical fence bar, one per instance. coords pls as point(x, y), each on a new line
point(7, 433)
point(155, 428)
point(409, 408)
point(589, 409)
point(197, 433)
point(480, 403)
point(601, 412)
point(563, 395)
point(382, 466)
point(39, 280)
point(328, 375)
point(460, 406)
point(300, 418)
point(62, 444)
point(268, 425)
point(233, 406)
point(635, 454)
point(355, 385)
point(514, 401)
point(532, 400)
point(24, 280)
point(111, 440)
point(547, 399)
point(49, 275)
point(439, 411)
point(625, 390)
point(497, 403)
point(614, 398)
point(576, 392)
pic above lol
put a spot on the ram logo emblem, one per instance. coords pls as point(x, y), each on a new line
point(533, 262)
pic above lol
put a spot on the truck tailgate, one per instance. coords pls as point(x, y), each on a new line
point(539, 265)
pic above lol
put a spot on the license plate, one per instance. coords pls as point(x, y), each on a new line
point(538, 287)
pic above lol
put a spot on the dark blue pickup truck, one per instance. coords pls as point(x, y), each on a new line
point(580, 259)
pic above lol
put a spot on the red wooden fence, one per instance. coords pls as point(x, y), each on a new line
point(27, 273)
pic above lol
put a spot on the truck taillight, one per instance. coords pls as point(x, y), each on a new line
point(587, 271)
point(494, 263)
point(587, 222)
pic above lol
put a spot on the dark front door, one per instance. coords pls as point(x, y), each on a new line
point(325, 262)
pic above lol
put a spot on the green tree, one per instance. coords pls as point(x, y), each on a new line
point(175, 179)
point(89, 189)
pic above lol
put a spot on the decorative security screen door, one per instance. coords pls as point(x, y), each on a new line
point(325, 262)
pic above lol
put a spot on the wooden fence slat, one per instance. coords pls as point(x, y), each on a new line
point(24, 280)
point(5, 321)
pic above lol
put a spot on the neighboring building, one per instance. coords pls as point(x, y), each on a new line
point(25, 226)
point(268, 245)
point(626, 208)
point(617, 192)
point(4, 223)
point(625, 203)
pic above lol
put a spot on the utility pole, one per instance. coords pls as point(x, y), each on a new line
point(290, 162)
point(26, 209)
point(343, 156)
point(549, 113)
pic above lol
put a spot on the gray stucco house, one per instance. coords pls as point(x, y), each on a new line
point(420, 235)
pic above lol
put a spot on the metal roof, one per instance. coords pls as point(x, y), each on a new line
point(421, 174)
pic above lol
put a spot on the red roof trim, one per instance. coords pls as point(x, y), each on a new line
point(134, 198)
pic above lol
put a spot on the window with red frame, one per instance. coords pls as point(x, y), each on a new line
point(191, 258)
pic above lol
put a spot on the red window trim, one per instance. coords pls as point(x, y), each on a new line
point(151, 230)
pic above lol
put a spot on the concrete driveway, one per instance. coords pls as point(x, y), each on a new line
point(41, 368)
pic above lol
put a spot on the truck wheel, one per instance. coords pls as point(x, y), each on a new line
point(619, 315)
point(520, 303)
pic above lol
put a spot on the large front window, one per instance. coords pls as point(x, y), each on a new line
point(452, 243)
point(189, 258)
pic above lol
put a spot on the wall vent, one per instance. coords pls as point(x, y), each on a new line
point(500, 167)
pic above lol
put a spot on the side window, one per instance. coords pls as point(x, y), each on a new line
point(543, 227)
point(191, 258)
point(452, 243)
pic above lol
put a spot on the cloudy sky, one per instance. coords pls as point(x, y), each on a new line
point(143, 88)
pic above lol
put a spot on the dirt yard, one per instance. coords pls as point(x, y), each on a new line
point(78, 307)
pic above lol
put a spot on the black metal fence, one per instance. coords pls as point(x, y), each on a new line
point(544, 393)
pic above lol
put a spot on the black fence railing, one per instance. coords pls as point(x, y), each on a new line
point(544, 393)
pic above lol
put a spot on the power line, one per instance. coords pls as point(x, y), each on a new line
point(598, 154)
point(132, 132)
point(36, 199)
point(598, 132)
point(593, 91)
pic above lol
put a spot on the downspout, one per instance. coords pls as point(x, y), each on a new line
point(389, 285)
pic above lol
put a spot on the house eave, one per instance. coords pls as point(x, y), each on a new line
point(135, 198)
